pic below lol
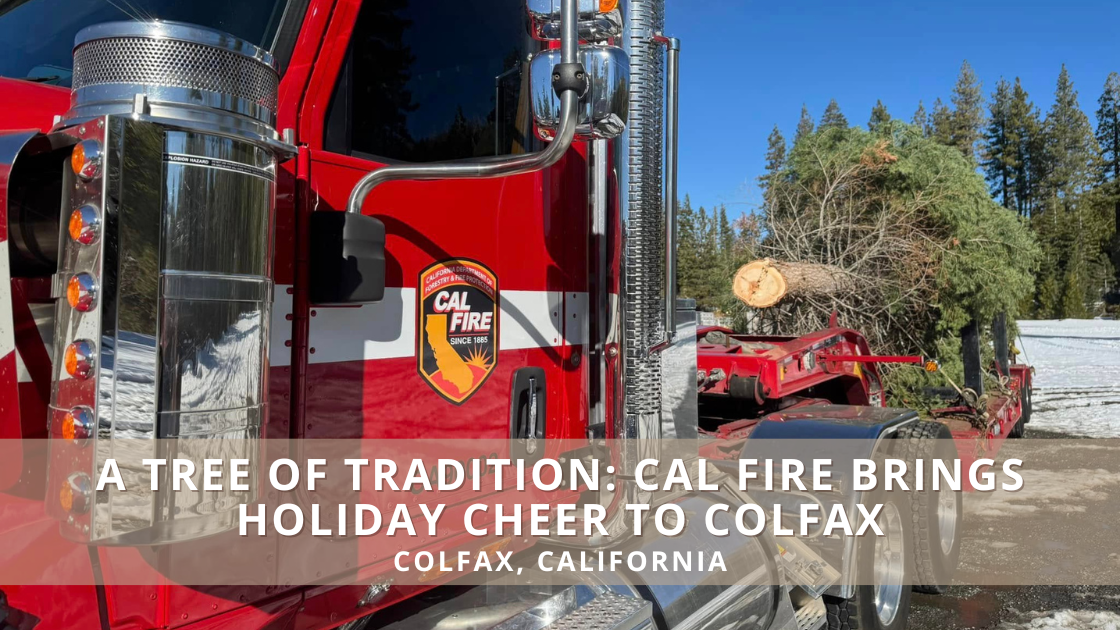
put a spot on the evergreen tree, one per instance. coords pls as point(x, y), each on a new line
point(1072, 147)
point(879, 118)
point(1108, 129)
point(1108, 137)
point(967, 119)
point(921, 119)
point(941, 123)
point(775, 161)
point(999, 149)
point(804, 125)
point(1071, 305)
point(1049, 296)
point(687, 250)
point(1066, 227)
point(1024, 130)
point(833, 118)
point(710, 276)
point(726, 237)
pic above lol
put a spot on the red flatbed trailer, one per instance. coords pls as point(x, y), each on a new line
point(746, 379)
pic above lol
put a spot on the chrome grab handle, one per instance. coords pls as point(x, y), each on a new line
point(672, 106)
point(672, 89)
point(500, 166)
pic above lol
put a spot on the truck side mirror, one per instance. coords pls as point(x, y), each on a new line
point(347, 259)
point(605, 108)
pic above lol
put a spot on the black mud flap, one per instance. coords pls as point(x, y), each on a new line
point(347, 259)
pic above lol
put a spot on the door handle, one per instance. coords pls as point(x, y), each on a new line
point(528, 413)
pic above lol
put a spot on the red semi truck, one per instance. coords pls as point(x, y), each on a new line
point(389, 219)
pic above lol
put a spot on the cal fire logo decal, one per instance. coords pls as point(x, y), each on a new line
point(458, 332)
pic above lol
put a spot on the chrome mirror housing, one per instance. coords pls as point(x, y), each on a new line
point(594, 24)
point(604, 110)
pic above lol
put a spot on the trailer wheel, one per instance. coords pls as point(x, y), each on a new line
point(1020, 427)
point(936, 516)
point(882, 601)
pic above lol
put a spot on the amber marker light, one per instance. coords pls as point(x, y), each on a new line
point(85, 159)
point(74, 494)
point(79, 359)
point(77, 424)
point(606, 6)
point(81, 292)
point(84, 225)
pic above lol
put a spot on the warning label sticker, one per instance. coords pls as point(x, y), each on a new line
point(458, 328)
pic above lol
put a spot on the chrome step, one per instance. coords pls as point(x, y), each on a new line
point(607, 610)
point(811, 616)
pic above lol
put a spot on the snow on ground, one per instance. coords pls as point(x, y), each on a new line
point(1067, 620)
point(1061, 491)
point(1077, 374)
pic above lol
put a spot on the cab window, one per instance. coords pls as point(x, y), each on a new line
point(430, 80)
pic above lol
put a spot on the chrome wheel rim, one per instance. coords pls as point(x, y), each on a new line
point(947, 520)
point(890, 565)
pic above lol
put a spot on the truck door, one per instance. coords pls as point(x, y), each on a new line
point(485, 278)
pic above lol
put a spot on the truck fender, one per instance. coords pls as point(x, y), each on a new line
point(842, 433)
point(11, 451)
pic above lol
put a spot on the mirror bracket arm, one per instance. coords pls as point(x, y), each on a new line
point(570, 76)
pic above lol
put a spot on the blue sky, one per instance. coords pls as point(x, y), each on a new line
point(748, 65)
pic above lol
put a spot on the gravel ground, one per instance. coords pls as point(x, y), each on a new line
point(1025, 607)
point(1021, 607)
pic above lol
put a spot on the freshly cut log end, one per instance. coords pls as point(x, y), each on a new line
point(764, 283)
point(759, 284)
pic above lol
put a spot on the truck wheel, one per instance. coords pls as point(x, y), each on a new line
point(936, 516)
point(883, 601)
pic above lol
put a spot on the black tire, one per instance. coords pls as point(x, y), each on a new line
point(1020, 427)
point(1017, 431)
point(859, 611)
point(933, 564)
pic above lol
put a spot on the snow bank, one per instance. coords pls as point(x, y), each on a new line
point(1077, 374)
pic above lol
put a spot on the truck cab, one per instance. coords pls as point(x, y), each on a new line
point(316, 220)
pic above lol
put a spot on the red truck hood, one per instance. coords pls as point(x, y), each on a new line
point(27, 105)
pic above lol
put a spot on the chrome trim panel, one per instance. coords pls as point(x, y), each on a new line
point(184, 262)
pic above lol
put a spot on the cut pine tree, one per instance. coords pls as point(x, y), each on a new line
point(764, 283)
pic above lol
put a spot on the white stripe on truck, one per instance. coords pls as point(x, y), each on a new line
point(387, 330)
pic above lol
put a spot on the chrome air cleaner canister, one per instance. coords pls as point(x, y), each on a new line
point(169, 199)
